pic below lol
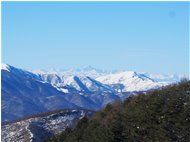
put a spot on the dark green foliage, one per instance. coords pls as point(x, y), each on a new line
point(160, 115)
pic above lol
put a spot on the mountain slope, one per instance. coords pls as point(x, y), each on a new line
point(160, 115)
point(81, 83)
point(24, 94)
point(38, 128)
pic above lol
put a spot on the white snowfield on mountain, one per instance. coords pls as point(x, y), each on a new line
point(131, 80)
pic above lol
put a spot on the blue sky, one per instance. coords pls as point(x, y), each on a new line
point(140, 36)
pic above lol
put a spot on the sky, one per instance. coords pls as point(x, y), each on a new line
point(140, 36)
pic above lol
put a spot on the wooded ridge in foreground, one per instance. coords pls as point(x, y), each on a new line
point(160, 115)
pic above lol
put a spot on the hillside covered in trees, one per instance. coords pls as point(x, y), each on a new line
point(160, 115)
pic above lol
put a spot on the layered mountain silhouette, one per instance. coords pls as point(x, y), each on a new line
point(28, 92)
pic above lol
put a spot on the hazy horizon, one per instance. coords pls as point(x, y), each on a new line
point(106, 71)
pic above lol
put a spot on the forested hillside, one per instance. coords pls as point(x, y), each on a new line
point(161, 115)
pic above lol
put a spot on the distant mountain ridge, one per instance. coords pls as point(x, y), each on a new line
point(94, 73)
point(25, 92)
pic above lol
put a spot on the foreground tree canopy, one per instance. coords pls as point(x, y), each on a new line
point(160, 115)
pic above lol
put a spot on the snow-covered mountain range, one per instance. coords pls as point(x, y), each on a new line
point(29, 92)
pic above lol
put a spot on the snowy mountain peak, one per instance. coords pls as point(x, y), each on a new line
point(39, 71)
point(5, 67)
point(89, 68)
point(127, 74)
point(131, 80)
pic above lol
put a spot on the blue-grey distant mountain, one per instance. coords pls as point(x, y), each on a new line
point(25, 93)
